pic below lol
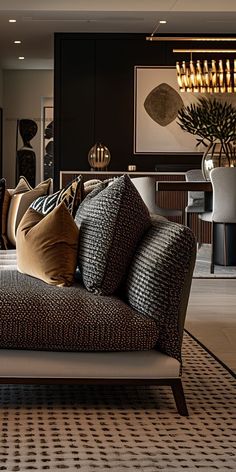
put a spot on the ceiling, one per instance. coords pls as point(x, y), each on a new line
point(36, 22)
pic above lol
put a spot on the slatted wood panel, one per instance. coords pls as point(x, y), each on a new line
point(176, 200)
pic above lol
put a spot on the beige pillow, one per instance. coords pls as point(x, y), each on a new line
point(47, 246)
point(5, 208)
point(21, 198)
point(89, 185)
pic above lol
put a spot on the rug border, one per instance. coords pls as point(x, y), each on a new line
point(231, 372)
point(213, 277)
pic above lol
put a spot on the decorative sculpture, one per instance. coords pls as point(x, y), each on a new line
point(99, 157)
point(25, 156)
point(48, 162)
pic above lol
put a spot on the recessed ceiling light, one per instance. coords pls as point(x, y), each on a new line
point(12, 21)
point(163, 22)
point(17, 41)
point(21, 57)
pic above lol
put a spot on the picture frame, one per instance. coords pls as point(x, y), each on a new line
point(150, 136)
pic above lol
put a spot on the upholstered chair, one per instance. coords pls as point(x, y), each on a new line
point(195, 199)
point(146, 186)
point(223, 209)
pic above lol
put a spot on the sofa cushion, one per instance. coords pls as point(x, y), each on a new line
point(90, 185)
point(5, 199)
point(156, 279)
point(34, 315)
point(112, 220)
point(71, 195)
point(22, 186)
point(20, 199)
point(47, 245)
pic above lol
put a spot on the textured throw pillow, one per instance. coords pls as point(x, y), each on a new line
point(47, 246)
point(71, 195)
point(156, 278)
point(21, 198)
point(112, 219)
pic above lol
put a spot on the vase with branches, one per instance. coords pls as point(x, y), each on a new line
point(213, 122)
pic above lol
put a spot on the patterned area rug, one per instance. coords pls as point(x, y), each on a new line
point(202, 267)
point(54, 428)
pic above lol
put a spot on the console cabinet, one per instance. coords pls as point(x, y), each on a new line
point(176, 200)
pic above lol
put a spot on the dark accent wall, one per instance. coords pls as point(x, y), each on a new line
point(94, 99)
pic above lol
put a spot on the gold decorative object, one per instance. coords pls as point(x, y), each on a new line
point(202, 76)
point(99, 157)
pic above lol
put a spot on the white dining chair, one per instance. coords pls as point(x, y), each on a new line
point(223, 208)
point(196, 200)
point(146, 186)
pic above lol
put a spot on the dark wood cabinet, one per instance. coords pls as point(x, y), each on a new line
point(175, 199)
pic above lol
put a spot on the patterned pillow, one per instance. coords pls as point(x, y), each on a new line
point(71, 195)
point(20, 199)
point(156, 278)
point(41, 253)
point(112, 219)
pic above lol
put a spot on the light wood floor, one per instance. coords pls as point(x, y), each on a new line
point(211, 317)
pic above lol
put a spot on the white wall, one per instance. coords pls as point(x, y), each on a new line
point(22, 96)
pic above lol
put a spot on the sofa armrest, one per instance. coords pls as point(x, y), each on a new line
point(159, 280)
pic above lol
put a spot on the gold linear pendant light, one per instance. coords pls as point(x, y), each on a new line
point(188, 38)
point(207, 77)
point(204, 76)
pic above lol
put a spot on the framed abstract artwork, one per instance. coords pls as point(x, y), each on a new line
point(156, 104)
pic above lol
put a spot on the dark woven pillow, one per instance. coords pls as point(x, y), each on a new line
point(156, 276)
point(71, 195)
point(112, 220)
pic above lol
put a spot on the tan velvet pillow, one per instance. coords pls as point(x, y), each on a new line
point(5, 208)
point(47, 246)
point(21, 198)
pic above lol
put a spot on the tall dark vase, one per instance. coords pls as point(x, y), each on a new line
point(25, 156)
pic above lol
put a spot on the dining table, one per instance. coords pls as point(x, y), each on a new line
point(183, 185)
point(187, 186)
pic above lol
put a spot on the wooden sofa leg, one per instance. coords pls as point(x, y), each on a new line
point(178, 392)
